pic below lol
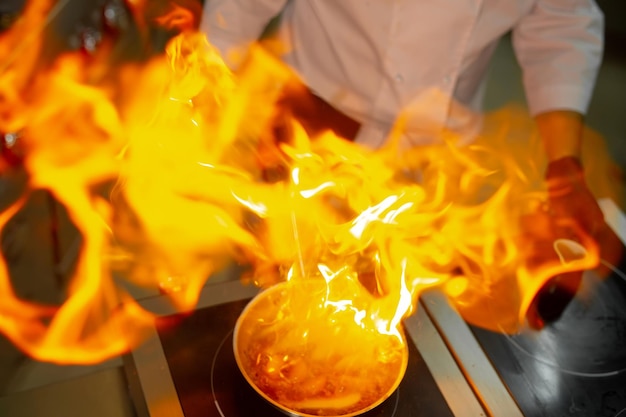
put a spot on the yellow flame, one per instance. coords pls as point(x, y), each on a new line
point(181, 137)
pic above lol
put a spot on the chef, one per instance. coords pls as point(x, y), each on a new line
point(366, 62)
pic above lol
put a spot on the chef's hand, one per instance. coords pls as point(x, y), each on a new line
point(572, 205)
point(574, 215)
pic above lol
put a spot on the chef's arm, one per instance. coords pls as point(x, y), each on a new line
point(573, 207)
point(570, 198)
point(561, 133)
point(559, 47)
point(232, 25)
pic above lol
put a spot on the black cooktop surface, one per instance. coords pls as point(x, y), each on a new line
point(199, 353)
point(575, 366)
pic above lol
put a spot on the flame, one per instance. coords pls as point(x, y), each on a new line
point(177, 18)
point(178, 138)
point(317, 375)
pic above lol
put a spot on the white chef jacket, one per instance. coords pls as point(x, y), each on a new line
point(376, 59)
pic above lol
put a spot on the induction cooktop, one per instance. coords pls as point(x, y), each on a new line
point(199, 353)
point(187, 367)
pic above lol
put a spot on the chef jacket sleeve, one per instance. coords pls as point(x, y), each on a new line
point(233, 24)
point(559, 46)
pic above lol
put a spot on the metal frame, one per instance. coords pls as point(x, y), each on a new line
point(476, 367)
point(442, 365)
point(152, 387)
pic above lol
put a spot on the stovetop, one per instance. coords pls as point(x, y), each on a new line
point(199, 353)
point(575, 367)
point(186, 368)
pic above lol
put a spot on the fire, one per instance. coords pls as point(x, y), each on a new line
point(304, 352)
point(177, 139)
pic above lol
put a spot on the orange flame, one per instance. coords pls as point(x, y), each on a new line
point(177, 18)
point(180, 135)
